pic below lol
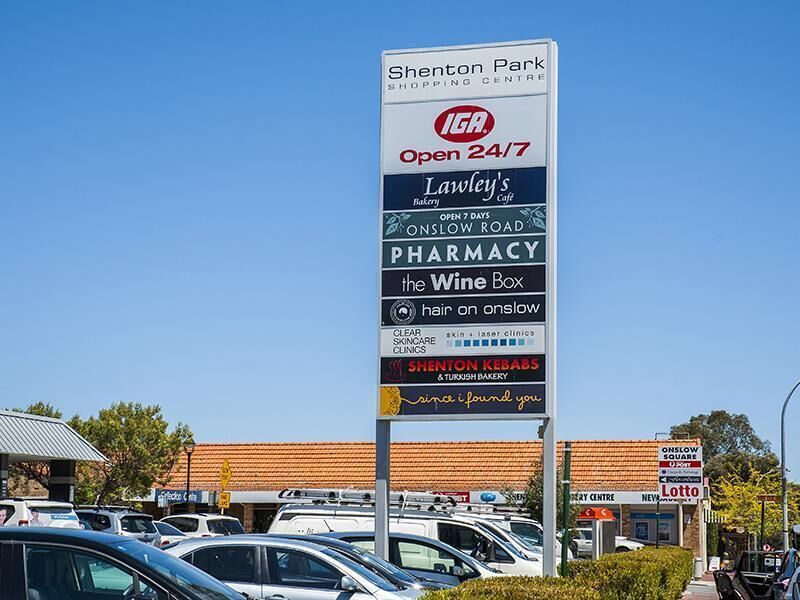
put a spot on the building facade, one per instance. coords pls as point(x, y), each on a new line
point(621, 475)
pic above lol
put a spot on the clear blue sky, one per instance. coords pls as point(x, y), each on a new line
point(189, 194)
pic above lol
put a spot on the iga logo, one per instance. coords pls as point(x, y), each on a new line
point(464, 123)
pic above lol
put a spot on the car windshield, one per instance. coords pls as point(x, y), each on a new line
point(137, 524)
point(367, 574)
point(376, 563)
point(225, 526)
point(167, 529)
point(180, 572)
point(500, 541)
point(525, 543)
point(527, 531)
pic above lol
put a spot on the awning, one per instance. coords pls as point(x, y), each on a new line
point(27, 437)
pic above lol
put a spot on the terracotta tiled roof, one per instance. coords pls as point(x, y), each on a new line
point(443, 466)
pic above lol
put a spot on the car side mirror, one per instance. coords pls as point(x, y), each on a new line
point(348, 584)
point(457, 571)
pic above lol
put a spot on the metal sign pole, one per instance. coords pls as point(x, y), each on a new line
point(382, 486)
point(550, 470)
point(549, 500)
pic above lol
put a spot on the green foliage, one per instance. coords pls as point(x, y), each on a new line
point(744, 464)
point(648, 574)
point(736, 499)
point(722, 433)
point(518, 588)
point(532, 499)
point(140, 449)
point(712, 539)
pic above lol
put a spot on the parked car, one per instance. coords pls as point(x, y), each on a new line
point(37, 513)
point(581, 543)
point(205, 524)
point(266, 566)
point(50, 563)
point(382, 567)
point(755, 572)
point(501, 526)
point(787, 569)
point(467, 537)
point(169, 534)
point(423, 557)
point(121, 521)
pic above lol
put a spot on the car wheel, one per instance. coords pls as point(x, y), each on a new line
point(623, 549)
point(574, 547)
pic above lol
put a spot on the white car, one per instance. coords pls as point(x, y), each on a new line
point(38, 513)
point(478, 542)
point(271, 567)
point(581, 538)
point(205, 524)
point(169, 533)
point(524, 534)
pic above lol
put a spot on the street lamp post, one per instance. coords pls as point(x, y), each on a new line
point(188, 448)
point(785, 499)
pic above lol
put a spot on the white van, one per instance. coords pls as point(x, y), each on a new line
point(480, 543)
point(38, 513)
point(524, 534)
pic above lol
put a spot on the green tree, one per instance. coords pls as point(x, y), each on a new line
point(141, 451)
point(722, 433)
point(532, 498)
point(22, 473)
point(737, 501)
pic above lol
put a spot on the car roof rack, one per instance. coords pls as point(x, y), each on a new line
point(353, 497)
point(108, 507)
point(495, 509)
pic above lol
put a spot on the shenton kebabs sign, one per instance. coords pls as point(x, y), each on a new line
point(467, 260)
point(680, 473)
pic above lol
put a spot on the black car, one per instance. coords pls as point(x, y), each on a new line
point(70, 564)
point(375, 564)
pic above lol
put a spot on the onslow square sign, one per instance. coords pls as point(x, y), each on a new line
point(467, 369)
point(464, 222)
point(462, 341)
point(464, 401)
point(680, 472)
point(467, 252)
point(464, 189)
point(463, 281)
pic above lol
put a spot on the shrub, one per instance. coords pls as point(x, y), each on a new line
point(518, 588)
point(647, 574)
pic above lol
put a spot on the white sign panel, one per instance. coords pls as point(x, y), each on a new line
point(455, 341)
point(467, 260)
point(502, 70)
point(680, 472)
point(455, 135)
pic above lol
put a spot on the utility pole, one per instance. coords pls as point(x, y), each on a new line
point(785, 500)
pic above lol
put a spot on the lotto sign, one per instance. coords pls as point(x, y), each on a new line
point(680, 472)
point(467, 240)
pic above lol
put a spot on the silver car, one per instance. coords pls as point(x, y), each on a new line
point(120, 521)
point(281, 569)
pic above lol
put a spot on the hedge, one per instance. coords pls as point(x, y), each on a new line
point(646, 574)
point(518, 588)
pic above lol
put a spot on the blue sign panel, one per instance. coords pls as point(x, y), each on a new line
point(179, 496)
point(461, 189)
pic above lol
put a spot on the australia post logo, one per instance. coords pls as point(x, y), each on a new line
point(464, 123)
